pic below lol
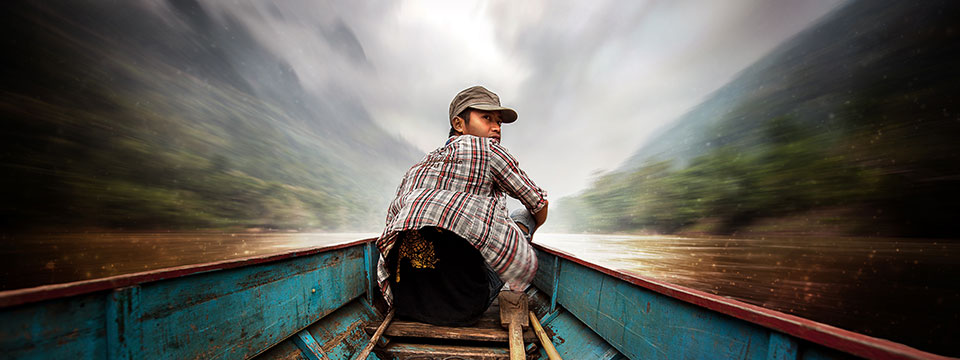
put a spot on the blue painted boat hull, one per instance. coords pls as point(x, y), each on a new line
point(314, 303)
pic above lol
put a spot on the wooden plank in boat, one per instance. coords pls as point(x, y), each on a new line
point(421, 330)
point(424, 351)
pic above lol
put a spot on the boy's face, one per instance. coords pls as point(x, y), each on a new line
point(482, 124)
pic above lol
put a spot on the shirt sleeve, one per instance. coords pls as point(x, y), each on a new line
point(512, 179)
point(394, 207)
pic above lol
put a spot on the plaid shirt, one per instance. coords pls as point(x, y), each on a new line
point(460, 187)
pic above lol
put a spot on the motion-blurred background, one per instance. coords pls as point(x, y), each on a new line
point(824, 117)
point(137, 134)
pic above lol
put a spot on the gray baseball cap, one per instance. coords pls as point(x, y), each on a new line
point(478, 97)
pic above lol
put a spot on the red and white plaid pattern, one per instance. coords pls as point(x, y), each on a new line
point(460, 187)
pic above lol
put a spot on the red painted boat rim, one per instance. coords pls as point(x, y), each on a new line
point(820, 333)
point(46, 292)
point(823, 334)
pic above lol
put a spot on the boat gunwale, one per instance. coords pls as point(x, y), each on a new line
point(801, 328)
point(10, 298)
point(806, 329)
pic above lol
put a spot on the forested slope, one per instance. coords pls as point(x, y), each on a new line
point(852, 122)
point(118, 117)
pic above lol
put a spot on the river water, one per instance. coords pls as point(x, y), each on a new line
point(905, 290)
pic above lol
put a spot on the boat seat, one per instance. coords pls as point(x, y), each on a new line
point(415, 340)
point(411, 329)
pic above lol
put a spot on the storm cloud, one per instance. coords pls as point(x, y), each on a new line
point(590, 80)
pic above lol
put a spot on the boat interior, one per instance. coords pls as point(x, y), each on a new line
point(322, 304)
point(486, 339)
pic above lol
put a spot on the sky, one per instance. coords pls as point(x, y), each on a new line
point(591, 80)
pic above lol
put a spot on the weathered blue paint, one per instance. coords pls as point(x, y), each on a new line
point(124, 334)
point(341, 333)
point(338, 334)
point(544, 278)
point(556, 284)
point(71, 328)
point(546, 281)
point(285, 350)
point(308, 346)
point(573, 340)
point(230, 313)
point(642, 323)
point(820, 353)
point(549, 317)
point(570, 336)
point(782, 347)
point(264, 304)
point(370, 259)
point(645, 325)
point(262, 307)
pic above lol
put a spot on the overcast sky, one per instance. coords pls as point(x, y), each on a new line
point(590, 79)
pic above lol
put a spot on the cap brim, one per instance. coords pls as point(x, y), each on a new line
point(508, 115)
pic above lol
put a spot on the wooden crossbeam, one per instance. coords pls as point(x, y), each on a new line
point(425, 351)
point(422, 330)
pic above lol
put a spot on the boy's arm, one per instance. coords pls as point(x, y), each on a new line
point(541, 216)
point(538, 219)
point(514, 181)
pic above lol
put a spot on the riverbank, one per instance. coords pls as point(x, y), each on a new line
point(830, 222)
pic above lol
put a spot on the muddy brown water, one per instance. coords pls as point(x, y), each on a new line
point(905, 290)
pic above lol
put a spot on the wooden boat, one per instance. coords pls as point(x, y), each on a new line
point(321, 303)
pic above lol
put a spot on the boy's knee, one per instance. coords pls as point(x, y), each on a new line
point(524, 220)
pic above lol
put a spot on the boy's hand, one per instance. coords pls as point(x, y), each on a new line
point(524, 228)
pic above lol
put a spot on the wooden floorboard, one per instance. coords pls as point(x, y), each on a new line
point(424, 351)
point(427, 331)
point(416, 340)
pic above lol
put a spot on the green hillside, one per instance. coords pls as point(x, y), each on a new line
point(849, 127)
point(115, 118)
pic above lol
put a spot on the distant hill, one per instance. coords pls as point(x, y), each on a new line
point(851, 126)
point(118, 117)
point(861, 54)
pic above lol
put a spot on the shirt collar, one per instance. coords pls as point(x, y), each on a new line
point(450, 139)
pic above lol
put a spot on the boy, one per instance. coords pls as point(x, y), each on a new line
point(449, 244)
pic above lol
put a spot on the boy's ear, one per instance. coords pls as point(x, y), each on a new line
point(458, 123)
